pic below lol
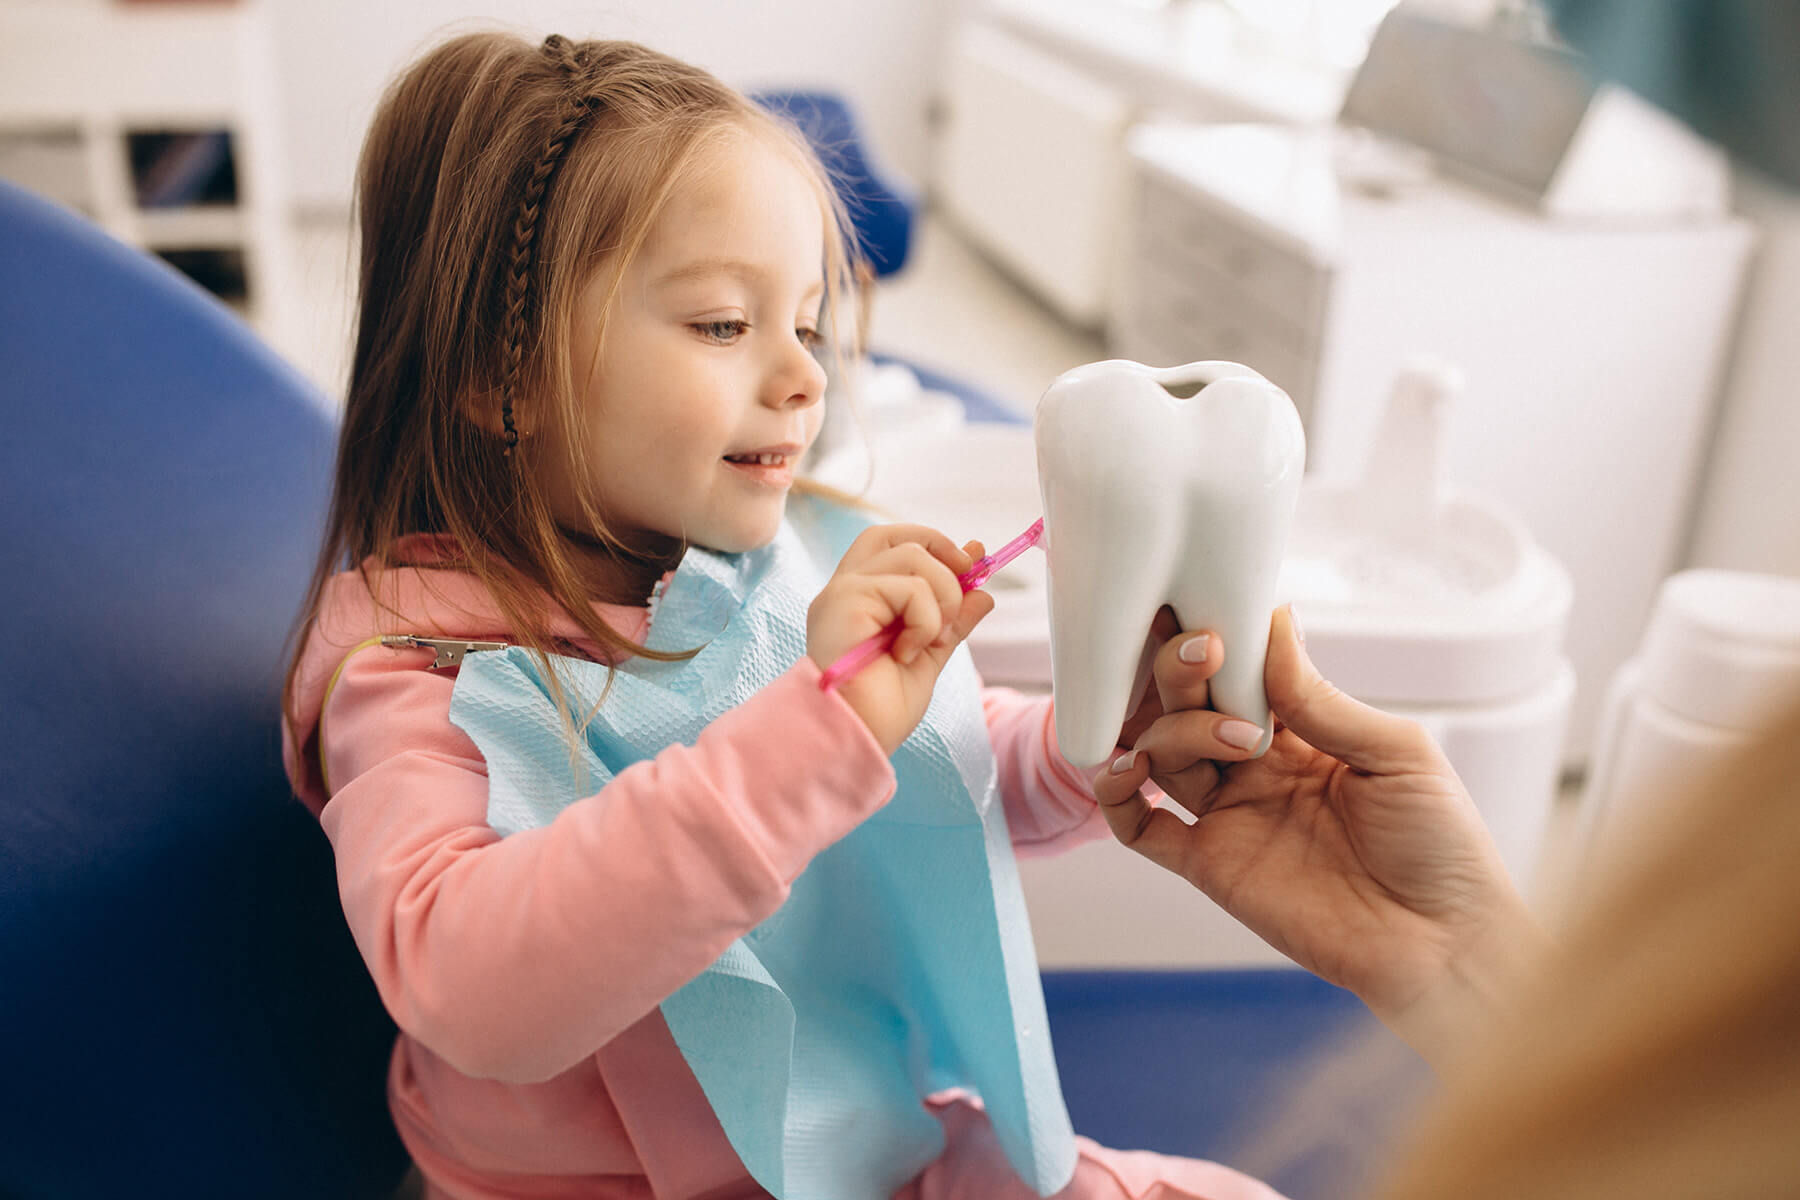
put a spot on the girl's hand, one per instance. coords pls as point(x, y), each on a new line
point(1350, 846)
point(907, 572)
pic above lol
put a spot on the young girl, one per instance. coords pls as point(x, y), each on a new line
point(593, 280)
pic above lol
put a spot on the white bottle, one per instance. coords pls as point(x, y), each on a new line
point(1719, 661)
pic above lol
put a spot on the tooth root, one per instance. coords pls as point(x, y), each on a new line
point(1107, 608)
point(1111, 654)
point(1148, 500)
point(1238, 606)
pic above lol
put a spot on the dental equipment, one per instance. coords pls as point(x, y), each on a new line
point(1174, 486)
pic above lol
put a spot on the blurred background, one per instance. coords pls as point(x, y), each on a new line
point(1537, 332)
point(1576, 299)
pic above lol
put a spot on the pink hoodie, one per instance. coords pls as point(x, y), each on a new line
point(525, 973)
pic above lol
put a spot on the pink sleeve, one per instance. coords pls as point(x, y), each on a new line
point(514, 959)
point(1049, 801)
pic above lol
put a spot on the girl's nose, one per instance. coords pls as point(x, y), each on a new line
point(799, 379)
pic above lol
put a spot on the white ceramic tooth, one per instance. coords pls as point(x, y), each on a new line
point(1152, 499)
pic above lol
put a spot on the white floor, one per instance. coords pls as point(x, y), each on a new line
point(951, 309)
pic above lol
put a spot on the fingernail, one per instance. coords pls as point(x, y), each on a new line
point(1194, 650)
point(1124, 762)
point(1294, 620)
point(1241, 734)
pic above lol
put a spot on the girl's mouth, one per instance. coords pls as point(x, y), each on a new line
point(776, 470)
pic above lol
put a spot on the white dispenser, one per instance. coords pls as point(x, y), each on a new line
point(1719, 661)
point(1437, 605)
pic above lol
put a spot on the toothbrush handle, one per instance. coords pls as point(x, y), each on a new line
point(861, 655)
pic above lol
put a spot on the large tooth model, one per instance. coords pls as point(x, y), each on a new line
point(1151, 498)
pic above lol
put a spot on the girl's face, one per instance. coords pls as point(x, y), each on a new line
point(705, 391)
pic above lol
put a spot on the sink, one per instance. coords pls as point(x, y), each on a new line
point(1456, 605)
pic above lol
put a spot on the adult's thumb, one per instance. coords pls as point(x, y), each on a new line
point(1362, 737)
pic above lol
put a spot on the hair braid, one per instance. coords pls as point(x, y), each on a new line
point(525, 225)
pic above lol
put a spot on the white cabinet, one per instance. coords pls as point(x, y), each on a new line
point(1191, 279)
point(1592, 352)
point(158, 123)
point(1038, 97)
point(1028, 166)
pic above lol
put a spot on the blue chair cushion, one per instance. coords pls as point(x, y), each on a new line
point(978, 404)
point(1202, 1063)
point(183, 1012)
point(880, 209)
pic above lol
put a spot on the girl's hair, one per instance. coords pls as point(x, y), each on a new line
point(497, 180)
point(1658, 1056)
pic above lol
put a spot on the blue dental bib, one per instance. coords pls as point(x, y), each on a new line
point(901, 963)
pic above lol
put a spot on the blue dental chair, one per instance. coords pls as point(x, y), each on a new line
point(182, 1010)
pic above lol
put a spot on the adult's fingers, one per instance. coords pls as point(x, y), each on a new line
point(1328, 720)
point(1156, 833)
point(1183, 670)
point(1178, 741)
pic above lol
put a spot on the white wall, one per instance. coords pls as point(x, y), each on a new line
point(1749, 510)
point(335, 56)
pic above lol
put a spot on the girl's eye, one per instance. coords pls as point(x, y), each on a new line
point(812, 339)
point(721, 332)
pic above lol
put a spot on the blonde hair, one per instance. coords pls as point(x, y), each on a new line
point(1658, 1055)
point(497, 179)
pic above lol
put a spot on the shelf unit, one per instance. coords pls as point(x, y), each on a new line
point(85, 78)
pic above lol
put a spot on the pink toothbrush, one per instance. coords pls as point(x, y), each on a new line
point(874, 646)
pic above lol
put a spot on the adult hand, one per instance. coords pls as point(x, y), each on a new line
point(1180, 673)
point(1350, 846)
